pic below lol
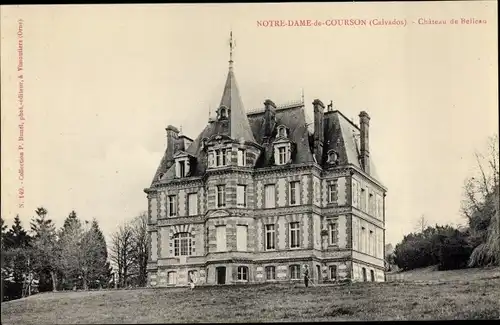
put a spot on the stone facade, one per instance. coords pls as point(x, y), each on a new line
point(255, 197)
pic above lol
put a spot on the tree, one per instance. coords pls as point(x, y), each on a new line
point(141, 246)
point(95, 266)
point(480, 207)
point(122, 253)
point(4, 230)
point(16, 257)
point(70, 237)
point(45, 248)
point(421, 224)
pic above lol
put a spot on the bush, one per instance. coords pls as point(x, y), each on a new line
point(445, 246)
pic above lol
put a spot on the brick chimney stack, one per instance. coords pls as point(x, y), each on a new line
point(269, 117)
point(319, 112)
point(364, 122)
point(172, 142)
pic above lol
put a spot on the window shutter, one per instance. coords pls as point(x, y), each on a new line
point(221, 238)
point(297, 193)
point(241, 238)
point(240, 195)
point(270, 196)
point(211, 159)
point(228, 157)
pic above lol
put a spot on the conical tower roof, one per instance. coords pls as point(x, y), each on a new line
point(238, 123)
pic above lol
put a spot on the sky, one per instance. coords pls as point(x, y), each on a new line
point(102, 82)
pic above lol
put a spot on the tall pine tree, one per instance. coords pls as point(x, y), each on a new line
point(16, 258)
point(95, 266)
point(70, 237)
point(45, 249)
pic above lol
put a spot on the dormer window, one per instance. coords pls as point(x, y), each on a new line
point(219, 157)
point(223, 113)
point(282, 131)
point(242, 157)
point(182, 166)
point(282, 154)
point(182, 169)
point(333, 157)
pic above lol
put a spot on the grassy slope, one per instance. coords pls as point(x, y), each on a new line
point(478, 297)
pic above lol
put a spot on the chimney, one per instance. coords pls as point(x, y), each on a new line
point(319, 111)
point(172, 143)
point(364, 122)
point(269, 117)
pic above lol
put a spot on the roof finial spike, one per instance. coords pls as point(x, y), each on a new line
point(302, 97)
point(232, 46)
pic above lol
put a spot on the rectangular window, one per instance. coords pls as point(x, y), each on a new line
point(182, 169)
point(227, 155)
point(242, 157)
point(270, 237)
point(282, 155)
point(241, 196)
point(332, 190)
point(333, 272)
point(172, 205)
point(221, 238)
point(270, 196)
point(221, 196)
point(363, 199)
point(371, 248)
point(241, 238)
point(242, 273)
point(370, 204)
point(332, 231)
point(193, 204)
point(294, 193)
point(362, 239)
point(270, 273)
point(294, 272)
point(294, 234)
point(222, 157)
point(211, 159)
point(172, 277)
point(218, 158)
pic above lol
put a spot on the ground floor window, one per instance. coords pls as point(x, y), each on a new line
point(333, 272)
point(270, 273)
point(294, 272)
point(372, 275)
point(363, 270)
point(242, 273)
point(172, 277)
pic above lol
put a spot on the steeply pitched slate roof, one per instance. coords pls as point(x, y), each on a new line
point(340, 134)
point(339, 128)
point(239, 127)
point(294, 119)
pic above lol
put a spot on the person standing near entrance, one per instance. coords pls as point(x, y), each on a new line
point(306, 275)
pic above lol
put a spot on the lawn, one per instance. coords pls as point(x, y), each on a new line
point(478, 298)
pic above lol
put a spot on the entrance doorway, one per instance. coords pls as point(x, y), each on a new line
point(221, 274)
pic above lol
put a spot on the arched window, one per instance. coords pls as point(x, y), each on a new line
point(182, 244)
point(295, 272)
point(281, 131)
point(172, 277)
point(332, 157)
point(270, 273)
point(223, 113)
point(242, 273)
